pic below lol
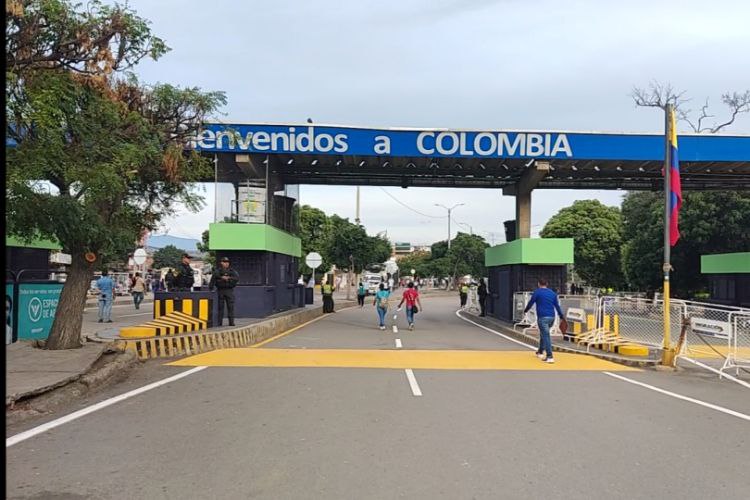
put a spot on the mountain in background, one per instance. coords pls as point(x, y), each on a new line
point(162, 240)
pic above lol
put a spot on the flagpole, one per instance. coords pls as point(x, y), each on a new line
point(667, 353)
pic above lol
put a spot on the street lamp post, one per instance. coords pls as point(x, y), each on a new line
point(449, 219)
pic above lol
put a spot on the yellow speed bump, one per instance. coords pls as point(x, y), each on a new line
point(398, 359)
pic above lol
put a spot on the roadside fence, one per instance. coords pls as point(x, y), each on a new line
point(714, 332)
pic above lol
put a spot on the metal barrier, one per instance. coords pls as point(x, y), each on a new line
point(714, 331)
point(738, 345)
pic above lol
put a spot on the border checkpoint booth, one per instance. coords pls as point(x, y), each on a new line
point(256, 226)
point(516, 266)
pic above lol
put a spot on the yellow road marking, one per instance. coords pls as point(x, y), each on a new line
point(699, 351)
point(398, 359)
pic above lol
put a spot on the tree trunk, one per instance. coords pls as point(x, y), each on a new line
point(66, 328)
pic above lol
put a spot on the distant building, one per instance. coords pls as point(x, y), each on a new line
point(402, 248)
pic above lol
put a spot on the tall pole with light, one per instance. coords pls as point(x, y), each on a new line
point(449, 219)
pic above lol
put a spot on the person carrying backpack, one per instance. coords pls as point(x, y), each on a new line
point(361, 293)
point(381, 303)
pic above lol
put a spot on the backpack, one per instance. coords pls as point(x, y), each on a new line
point(383, 301)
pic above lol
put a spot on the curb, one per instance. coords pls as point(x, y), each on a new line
point(12, 399)
point(187, 344)
point(615, 358)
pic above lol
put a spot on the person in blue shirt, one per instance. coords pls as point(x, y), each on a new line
point(106, 286)
point(546, 304)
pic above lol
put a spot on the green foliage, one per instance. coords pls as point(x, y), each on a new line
point(710, 222)
point(466, 256)
point(597, 232)
point(100, 157)
point(419, 261)
point(203, 247)
point(349, 244)
point(169, 256)
point(315, 229)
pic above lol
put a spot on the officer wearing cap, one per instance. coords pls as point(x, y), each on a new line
point(225, 279)
point(184, 278)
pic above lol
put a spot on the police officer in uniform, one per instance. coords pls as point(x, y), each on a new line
point(225, 279)
point(327, 290)
point(184, 278)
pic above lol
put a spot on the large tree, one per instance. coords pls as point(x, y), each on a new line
point(99, 156)
point(315, 229)
point(349, 244)
point(466, 256)
point(169, 256)
point(710, 222)
point(597, 233)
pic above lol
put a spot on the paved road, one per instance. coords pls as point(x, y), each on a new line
point(258, 428)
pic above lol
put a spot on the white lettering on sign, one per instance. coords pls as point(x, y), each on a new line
point(35, 309)
point(489, 144)
point(719, 329)
point(304, 141)
point(382, 145)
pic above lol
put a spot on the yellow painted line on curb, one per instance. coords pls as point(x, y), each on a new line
point(398, 359)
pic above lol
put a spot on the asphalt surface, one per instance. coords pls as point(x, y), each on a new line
point(535, 431)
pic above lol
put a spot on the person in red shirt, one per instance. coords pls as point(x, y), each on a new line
point(413, 304)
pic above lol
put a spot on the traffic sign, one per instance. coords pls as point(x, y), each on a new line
point(139, 257)
point(313, 260)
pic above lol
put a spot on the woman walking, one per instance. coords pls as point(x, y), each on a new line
point(361, 293)
point(381, 304)
point(137, 290)
point(413, 304)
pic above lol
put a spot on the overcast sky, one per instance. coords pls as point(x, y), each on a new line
point(483, 64)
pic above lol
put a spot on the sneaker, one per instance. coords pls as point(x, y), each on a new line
point(541, 356)
point(411, 326)
point(549, 360)
point(382, 328)
point(101, 321)
point(109, 321)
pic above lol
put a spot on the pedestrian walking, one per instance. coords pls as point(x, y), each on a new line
point(155, 282)
point(106, 287)
point(138, 290)
point(224, 279)
point(482, 293)
point(327, 291)
point(184, 277)
point(169, 280)
point(463, 293)
point(547, 304)
point(361, 293)
point(413, 303)
point(381, 304)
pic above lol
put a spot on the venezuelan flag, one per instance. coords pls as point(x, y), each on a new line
point(675, 188)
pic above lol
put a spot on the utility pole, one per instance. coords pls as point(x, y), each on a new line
point(449, 219)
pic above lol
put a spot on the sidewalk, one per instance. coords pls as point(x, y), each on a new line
point(31, 371)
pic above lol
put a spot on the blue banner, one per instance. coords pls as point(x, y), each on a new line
point(325, 140)
point(37, 304)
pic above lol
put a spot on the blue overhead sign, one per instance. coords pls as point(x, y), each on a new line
point(326, 140)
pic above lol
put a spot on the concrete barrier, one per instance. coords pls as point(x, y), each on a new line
point(148, 347)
